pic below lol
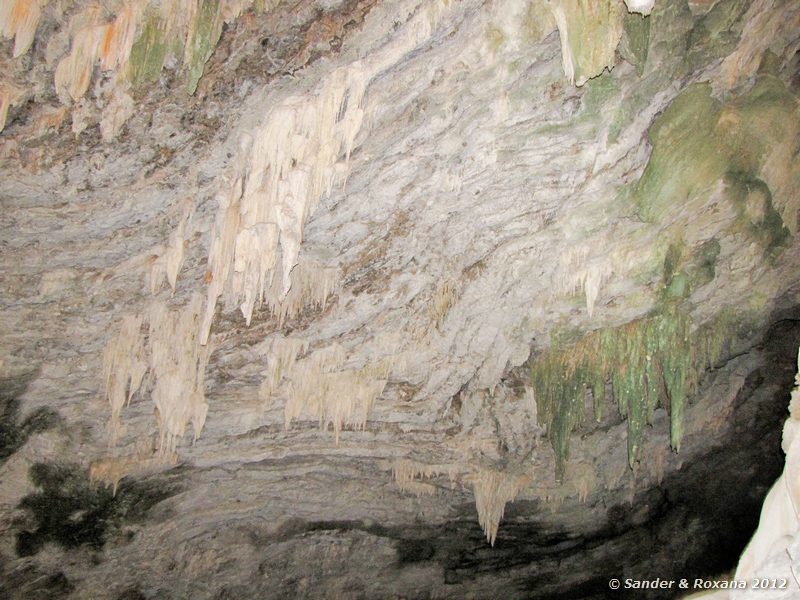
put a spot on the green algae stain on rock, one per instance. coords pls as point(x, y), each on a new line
point(590, 31)
point(204, 34)
point(685, 161)
point(757, 215)
point(635, 40)
point(599, 92)
point(701, 144)
point(679, 286)
point(753, 124)
point(653, 361)
point(687, 269)
point(148, 52)
point(716, 33)
point(157, 41)
point(672, 260)
point(703, 266)
point(676, 280)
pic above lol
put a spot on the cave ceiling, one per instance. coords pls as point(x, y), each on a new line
point(335, 282)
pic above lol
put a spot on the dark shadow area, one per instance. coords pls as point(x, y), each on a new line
point(32, 583)
point(695, 524)
point(71, 511)
point(14, 430)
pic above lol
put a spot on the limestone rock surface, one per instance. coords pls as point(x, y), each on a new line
point(276, 276)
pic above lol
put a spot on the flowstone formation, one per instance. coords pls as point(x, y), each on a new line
point(456, 298)
point(774, 549)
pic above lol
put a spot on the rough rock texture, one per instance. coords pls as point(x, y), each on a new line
point(394, 270)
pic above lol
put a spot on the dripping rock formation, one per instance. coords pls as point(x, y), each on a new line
point(395, 299)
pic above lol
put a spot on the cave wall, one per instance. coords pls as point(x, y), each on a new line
point(335, 282)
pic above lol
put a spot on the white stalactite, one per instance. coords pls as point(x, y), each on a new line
point(124, 367)
point(493, 490)
point(294, 158)
point(336, 397)
point(644, 7)
point(176, 363)
point(19, 19)
point(281, 357)
point(177, 366)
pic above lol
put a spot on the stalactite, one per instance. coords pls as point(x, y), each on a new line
point(590, 31)
point(307, 391)
point(281, 357)
point(342, 398)
point(493, 490)
point(191, 27)
point(74, 72)
point(19, 19)
point(335, 397)
point(10, 95)
point(312, 285)
point(588, 266)
point(166, 262)
point(116, 113)
point(124, 367)
point(282, 173)
point(205, 28)
point(113, 469)
point(410, 475)
point(118, 37)
point(177, 366)
point(176, 363)
point(296, 155)
point(95, 40)
point(648, 361)
point(444, 297)
point(582, 480)
point(132, 46)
